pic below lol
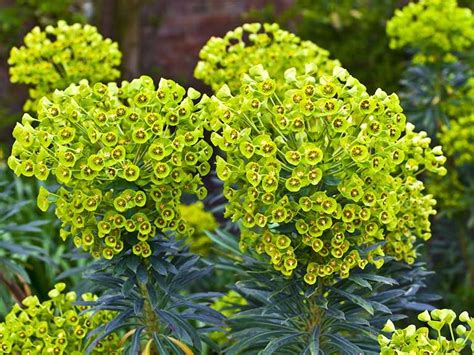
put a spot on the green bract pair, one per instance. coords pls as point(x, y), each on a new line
point(55, 326)
point(124, 155)
point(321, 175)
point(413, 340)
point(61, 55)
point(225, 60)
point(434, 27)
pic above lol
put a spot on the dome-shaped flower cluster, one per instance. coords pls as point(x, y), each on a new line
point(62, 55)
point(200, 220)
point(461, 100)
point(124, 157)
point(413, 340)
point(55, 326)
point(229, 304)
point(225, 60)
point(432, 27)
point(320, 174)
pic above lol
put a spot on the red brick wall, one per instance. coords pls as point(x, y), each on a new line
point(185, 26)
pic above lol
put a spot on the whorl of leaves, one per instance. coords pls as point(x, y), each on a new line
point(150, 297)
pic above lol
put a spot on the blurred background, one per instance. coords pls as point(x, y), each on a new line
point(162, 38)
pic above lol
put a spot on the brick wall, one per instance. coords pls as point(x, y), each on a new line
point(184, 27)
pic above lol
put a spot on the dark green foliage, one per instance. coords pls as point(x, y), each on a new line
point(42, 12)
point(150, 296)
point(285, 316)
point(21, 246)
point(426, 88)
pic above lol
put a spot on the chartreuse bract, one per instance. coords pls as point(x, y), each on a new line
point(55, 326)
point(455, 192)
point(320, 175)
point(200, 220)
point(123, 155)
point(60, 55)
point(448, 338)
point(437, 29)
point(224, 60)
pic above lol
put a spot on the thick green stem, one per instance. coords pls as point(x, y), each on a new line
point(151, 320)
point(315, 313)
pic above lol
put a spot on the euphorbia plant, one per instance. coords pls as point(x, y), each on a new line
point(316, 171)
point(124, 156)
point(55, 326)
point(321, 179)
point(61, 55)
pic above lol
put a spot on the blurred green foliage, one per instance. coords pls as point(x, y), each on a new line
point(41, 12)
point(353, 31)
point(16, 19)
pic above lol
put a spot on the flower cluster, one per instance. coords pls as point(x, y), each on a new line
point(454, 192)
point(228, 305)
point(62, 55)
point(458, 140)
point(225, 60)
point(461, 99)
point(55, 326)
point(197, 218)
point(432, 27)
point(450, 191)
point(124, 157)
point(412, 340)
point(318, 172)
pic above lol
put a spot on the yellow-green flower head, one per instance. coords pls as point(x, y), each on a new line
point(228, 305)
point(124, 156)
point(435, 28)
point(55, 326)
point(458, 140)
point(61, 55)
point(225, 60)
point(454, 191)
point(460, 101)
point(197, 218)
point(413, 340)
point(451, 192)
point(316, 171)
